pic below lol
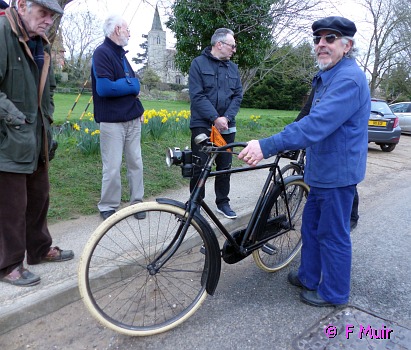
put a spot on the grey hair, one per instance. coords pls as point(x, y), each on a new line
point(29, 4)
point(354, 49)
point(111, 23)
point(220, 34)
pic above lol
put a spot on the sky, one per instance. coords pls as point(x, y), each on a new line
point(139, 15)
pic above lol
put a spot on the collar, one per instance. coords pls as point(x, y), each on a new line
point(116, 48)
point(207, 52)
point(326, 75)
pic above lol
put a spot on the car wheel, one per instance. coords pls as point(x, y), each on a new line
point(387, 147)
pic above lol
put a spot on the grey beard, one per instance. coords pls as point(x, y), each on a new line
point(324, 66)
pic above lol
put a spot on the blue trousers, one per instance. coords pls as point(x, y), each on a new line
point(326, 250)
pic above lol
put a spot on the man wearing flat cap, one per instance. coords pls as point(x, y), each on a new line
point(335, 136)
point(26, 113)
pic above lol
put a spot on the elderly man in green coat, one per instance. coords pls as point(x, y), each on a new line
point(26, 109)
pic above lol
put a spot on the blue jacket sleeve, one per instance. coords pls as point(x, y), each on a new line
point(120, 87)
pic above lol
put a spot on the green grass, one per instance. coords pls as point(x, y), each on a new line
point(75, 178)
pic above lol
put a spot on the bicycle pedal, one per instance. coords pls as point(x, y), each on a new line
point(269, 249)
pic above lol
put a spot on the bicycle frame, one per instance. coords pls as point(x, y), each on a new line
point(143, 278)
point(271, 187)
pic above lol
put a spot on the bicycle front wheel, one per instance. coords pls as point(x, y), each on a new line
point(119, 287)
point(281, 250)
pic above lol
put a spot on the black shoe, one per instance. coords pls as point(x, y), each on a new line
point(227, 211)
point(21, 277)
point(312, 298)
point(295, 281)
point(140, 215)
point(353, 224)
point(56, 254)
point(106, 214)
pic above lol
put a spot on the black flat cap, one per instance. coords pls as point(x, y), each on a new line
point(337, 24)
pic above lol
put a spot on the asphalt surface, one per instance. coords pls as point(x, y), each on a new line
point(379, 312)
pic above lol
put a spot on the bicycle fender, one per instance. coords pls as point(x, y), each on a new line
point(272, 198)
point(290, 178)
point(212, 245)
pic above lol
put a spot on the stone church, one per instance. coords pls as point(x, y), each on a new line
point(159, 58)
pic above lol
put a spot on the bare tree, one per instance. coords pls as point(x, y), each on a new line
point(80, 32)
point(291, 24)
point(387, 18)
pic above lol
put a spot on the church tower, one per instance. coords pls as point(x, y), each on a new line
point(156, 47)
point(159, 58)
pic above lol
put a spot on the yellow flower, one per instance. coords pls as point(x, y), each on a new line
point(76, 127)
point(86, 130)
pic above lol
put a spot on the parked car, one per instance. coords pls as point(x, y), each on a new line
point(383, 126)
point(403, 111)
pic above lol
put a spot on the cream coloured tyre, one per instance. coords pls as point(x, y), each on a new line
point(128, 280)
point(281, 250)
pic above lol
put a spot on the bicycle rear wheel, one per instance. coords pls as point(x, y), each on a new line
point(116, 282)
point(281, 250)
point(289, 170)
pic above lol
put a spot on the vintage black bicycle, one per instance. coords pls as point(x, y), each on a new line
point(296, 165)
point(144, 277)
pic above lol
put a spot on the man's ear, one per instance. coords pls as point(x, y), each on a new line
point(21, 4)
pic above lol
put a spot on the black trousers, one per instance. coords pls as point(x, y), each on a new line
point(354, 210)
point(24, 203)
point(223, 162)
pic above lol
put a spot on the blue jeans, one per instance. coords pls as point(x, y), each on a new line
point(326, 251)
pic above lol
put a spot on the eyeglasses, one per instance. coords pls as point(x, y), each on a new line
point(329, 38)
point(231, 45)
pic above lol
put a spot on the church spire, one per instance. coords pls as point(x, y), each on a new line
point(156, 21)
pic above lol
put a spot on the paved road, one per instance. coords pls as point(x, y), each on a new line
point(250, 309)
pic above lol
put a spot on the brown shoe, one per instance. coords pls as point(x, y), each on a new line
point(21, 277)
point(56, 254)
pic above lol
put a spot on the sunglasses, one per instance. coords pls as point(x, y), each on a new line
point(231, 45)
point(329, 38)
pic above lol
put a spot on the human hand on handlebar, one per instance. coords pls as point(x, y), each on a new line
point(251, 154)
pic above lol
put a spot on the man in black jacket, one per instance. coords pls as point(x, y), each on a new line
point(215, 97)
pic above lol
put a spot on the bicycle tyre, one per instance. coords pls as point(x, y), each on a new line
point(290, 170)
point(114, 280)
point(281, 250)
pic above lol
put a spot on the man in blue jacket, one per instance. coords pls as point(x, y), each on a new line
point(215, 97)
point(335, 135)
point(120, 113)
